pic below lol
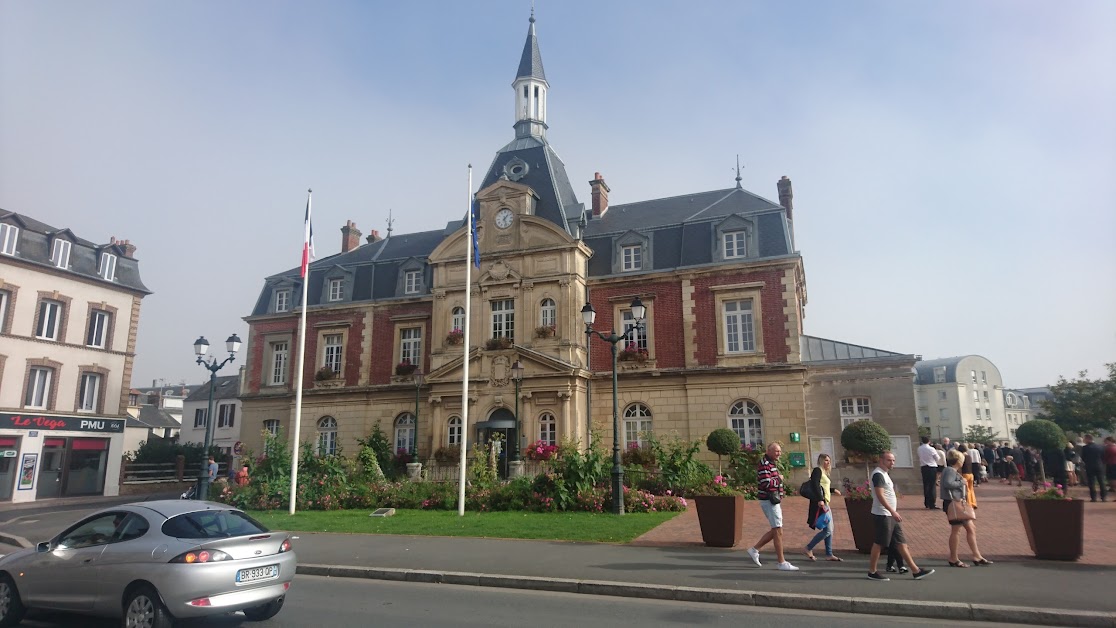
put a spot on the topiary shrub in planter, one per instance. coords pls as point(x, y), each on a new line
point(723, 442)
point(864, 441)
point(1055, 523)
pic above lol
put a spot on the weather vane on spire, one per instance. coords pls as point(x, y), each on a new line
point(390, 221)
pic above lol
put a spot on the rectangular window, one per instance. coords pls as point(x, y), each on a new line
point(279, 363)
point(983, 377)
point(411, 281)
point(283, 301)
point(8, 236)
point(87, 396)
point(849, 420)
point(976, 396)
point(631, 258)
point(503, 319)
point(50, 320)
point(939, 374)
point(739, 332)
point(336, 289)
point(988, 414)
point(60, 254)
point(926, 420)
point(735, 244)
point(5, 297)
point(639, 338)
point(943, 414)
point(271, 426)
point(410, 345)
point(97, 334)
point(942, 395)
point(333, 352)
point(856, 406)
point(200, 417)
point(38, 388)
point(636, 431)
point(986, 396)
point(108, 266)
point(548, 430)
point(973, 375)
point(226, 415)
point(977, 412)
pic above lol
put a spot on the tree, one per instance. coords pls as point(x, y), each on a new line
point(980, 434)
point(867, 439)
point(1082, 405)
point(723, 442)
point(924, 430)
point(1043, 435)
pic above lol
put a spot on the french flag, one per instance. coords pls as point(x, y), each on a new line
point(307, 238)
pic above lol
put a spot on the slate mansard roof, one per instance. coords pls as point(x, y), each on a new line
point(36, 241)
point(227, 388)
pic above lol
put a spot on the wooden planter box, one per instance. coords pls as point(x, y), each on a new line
point(862, 524)
point(1055, 528)
point(721, 518)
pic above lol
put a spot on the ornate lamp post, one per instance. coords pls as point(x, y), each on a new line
point(419, 379)
point(588, 315)
point(517, 375)
point(201, 346)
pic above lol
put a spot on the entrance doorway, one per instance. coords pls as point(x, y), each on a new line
point(499, 431)
point(72, 466)
point(9, 445)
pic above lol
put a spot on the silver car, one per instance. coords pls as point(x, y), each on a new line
point(150, 563)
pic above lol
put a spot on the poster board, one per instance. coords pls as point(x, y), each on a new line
point(27, 471)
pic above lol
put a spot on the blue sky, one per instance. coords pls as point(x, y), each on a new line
point(952, 161)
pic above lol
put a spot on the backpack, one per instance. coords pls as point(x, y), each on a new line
point(807, 490)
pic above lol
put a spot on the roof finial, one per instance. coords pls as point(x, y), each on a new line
point(738, 179)
point(532, 20)
point(389, 223)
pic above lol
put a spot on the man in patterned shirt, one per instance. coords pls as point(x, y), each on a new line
point(770, 496)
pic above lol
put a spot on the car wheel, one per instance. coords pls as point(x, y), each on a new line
point(11, 607)
point(144, 609)
point(264, 612)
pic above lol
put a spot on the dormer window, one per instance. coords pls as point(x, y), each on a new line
point(9, 234)
point(412, 282)
point(108, 266)
point(60, 254)
point(631, 258)
point(735, 243)
point(336, 289)
point(283, 300)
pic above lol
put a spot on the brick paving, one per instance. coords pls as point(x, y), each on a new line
point(1000, 532)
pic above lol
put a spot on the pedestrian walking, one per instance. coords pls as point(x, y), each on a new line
point(770, 495)
point(820, 516)
point(1092, 457)
point(894, 560)
point(991, 461)
point(1013, 470)
point(1071, 465)
point(967, 473)
point(1110, 462)
point(955, 505)
point(888, 521)
point(928, 463)
point(212, 467)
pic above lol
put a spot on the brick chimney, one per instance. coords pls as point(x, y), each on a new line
point(373, 236)
point(786, 196)
point(599, 191)
point(129, 248)
point(350, 236)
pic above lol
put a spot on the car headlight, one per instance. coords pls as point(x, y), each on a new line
point(201, 556)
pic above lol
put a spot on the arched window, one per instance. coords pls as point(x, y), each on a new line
point(405, 433)
point(746, 419)
point(327, 436)
point(457, 319)
point(453, 433)
point(637, 424)
point(548, 313)
point(548, 429)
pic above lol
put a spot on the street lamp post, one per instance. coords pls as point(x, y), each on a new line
point(201, 346)
point(419, 379)
point(517, 375)
point(588, 315)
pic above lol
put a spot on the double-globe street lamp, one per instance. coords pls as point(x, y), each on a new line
point(588, 315)
point(419, 379)
point(517, 375)
point(201, 346)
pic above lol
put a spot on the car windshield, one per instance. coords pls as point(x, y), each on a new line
point(212, 524)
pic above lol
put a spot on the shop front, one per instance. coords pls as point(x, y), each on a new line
point(49, 456)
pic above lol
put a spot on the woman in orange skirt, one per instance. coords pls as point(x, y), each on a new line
point(967, 474)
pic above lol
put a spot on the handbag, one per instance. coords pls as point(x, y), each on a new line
point(824, 517)
point(961, 510)
point(807, 490)
point(774, 499)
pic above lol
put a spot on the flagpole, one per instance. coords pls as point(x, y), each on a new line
point(469, 257)
point(306, 244)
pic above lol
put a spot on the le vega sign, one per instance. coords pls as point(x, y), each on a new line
point(52, 423)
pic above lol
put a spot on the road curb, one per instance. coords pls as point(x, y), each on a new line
point(792, 601)
point(12, 539)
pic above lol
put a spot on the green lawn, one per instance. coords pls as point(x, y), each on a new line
point(565, 526)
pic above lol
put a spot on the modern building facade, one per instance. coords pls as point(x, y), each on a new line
point(956, 393)
point(69, 312)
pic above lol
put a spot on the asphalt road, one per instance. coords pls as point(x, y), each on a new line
point(345, 602)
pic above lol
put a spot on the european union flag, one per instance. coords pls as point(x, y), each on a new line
point(474, 218)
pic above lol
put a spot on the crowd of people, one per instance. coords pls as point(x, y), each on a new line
point(950, 472)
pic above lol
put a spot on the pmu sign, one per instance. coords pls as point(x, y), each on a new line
point(52, 423)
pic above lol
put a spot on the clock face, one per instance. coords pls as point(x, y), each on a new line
point(504, 218)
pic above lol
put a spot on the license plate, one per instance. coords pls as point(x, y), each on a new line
point(257, 573)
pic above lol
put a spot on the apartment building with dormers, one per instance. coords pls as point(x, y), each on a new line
point(69, 312)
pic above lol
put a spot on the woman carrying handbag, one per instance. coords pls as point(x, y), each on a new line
point(819, 517)
point(959, 511)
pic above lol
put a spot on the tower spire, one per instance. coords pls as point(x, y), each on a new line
point(738, 178)
point(530, 88)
